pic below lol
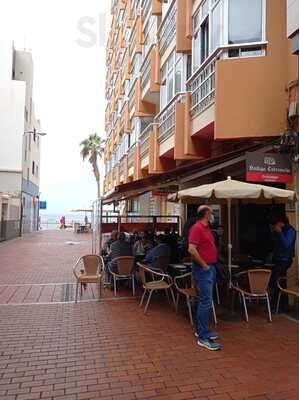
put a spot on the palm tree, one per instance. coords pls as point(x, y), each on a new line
point(93, 149)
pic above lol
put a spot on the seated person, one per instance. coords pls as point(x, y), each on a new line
point(134, 237)
point(142, 246)
point(162, 249)
point(119, 248)
point(112, 239)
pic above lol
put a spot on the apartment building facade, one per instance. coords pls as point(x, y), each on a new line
point(19, 149)
point(191, 87)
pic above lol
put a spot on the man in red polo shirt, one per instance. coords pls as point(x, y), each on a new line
point(204, 255)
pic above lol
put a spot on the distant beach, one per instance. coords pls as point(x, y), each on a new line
point(51, 221)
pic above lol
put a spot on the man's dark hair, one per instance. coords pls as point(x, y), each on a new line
point(121, 236)
point(283, 218)
point(202, 213)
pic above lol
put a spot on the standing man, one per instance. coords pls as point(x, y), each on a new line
point(284, 240)
point(204, 255)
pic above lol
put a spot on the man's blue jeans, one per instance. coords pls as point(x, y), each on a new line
point(205, 281)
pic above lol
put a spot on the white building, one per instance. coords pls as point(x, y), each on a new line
point(293, 24)
point(19, 151)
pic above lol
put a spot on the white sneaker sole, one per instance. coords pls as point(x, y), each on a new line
point(208, 347)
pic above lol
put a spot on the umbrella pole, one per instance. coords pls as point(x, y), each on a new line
point(229, 240)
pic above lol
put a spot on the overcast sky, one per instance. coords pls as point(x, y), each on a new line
point(68, 88)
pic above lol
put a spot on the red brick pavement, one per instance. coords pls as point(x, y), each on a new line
point(111, 351)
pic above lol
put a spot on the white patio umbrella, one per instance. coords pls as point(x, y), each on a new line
point(228, 190)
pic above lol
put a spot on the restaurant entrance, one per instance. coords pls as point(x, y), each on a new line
point(255, 228)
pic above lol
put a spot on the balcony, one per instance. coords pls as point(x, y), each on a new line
point(131, 161)
point(215, 98)
point(132, 98)
point(175, 27)
point(146, 71)
point(203, 87)
point(166, 119)
point(150, 88)
point(167, 29)
point(144, 142)
point(151, 7)
point(136, 4)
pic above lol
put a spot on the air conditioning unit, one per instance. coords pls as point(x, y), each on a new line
point(294, 109)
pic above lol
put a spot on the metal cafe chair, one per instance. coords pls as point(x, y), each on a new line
point(125, 271)
point(185, 286)
point(90, 272)
point(255, 287)
point(291, 291)
point(159, 281)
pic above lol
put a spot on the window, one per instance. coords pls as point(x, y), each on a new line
point(216, 26)
point(204, 40)
point(37, 170)
point(33, 167)
point(225, 22)
point(133, 206)
point(245, 19)
point(173, 77)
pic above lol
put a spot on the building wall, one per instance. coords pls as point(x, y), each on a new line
point(18, 149)
point(250, 92)
point(12, 104)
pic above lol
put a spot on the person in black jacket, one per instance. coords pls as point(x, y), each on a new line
point(284, 240)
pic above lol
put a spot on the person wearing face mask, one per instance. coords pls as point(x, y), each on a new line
point(203, 251)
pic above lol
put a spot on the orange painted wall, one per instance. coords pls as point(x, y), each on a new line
point(251, 92)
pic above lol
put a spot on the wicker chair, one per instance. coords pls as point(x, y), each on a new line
point(90, 272)
point(185, 286)
point(159, 282)
point(255, 287)
point(291, 291)
point(125, 267)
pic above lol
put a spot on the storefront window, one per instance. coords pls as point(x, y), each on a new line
point(245, 21)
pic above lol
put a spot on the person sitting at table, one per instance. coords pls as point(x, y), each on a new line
point(112, 239)
point(120, 248)
point(171, 238)
point(142, 246)
point(162, 249)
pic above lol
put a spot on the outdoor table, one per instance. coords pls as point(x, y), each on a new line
point(181, 269)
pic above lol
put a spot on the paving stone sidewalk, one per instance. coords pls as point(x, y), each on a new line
point(110, 351)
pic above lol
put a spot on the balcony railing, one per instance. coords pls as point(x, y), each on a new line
point(131, 156)
point(133, 39)
point(146, 6)
point(167, 29)
point(146, 70)
point(144, 140)
point(122, 167)
point(132, 95)
point(135, 9)
point(203, 89)
point(166, 118)
point(202, 82)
